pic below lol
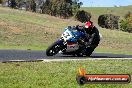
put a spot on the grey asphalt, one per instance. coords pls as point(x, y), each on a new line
point(31, 55)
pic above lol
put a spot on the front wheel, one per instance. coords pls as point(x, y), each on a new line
point(53, 49)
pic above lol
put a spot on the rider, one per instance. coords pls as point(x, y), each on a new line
point(92, 33)
point(92, 36)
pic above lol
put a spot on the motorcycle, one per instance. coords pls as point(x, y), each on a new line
point(70, 43)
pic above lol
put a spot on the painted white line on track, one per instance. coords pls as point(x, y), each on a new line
point(63, 60)
point(8, 61)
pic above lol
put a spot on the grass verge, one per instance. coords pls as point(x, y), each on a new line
point(60, 74)
point(23, 47)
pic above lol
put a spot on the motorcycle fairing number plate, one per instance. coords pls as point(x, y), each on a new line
point(72, 47)
point(66, 35)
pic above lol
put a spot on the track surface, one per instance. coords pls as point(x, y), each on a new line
point(30, 55)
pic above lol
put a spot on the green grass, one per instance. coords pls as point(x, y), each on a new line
point(118, 11)
point(44, 47)
point(22, 29)
point(60, 74)
point(115, 42)
point(26, 30)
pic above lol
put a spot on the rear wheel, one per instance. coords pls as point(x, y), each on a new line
point(79, 54)
point(53, 49)
point(89, 51)
point(81, 51)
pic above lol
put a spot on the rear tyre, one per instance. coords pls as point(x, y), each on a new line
point(89, 51)
point(79, 54)
point(88, 54)
point(53, 49)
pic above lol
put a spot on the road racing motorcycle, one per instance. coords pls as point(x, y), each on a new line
point(71, 43)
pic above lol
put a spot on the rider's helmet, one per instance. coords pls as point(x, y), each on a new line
point(88, 25)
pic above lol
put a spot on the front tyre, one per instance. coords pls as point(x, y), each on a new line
point(53, 49)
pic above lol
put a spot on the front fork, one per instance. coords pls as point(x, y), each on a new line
point(63, 44)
